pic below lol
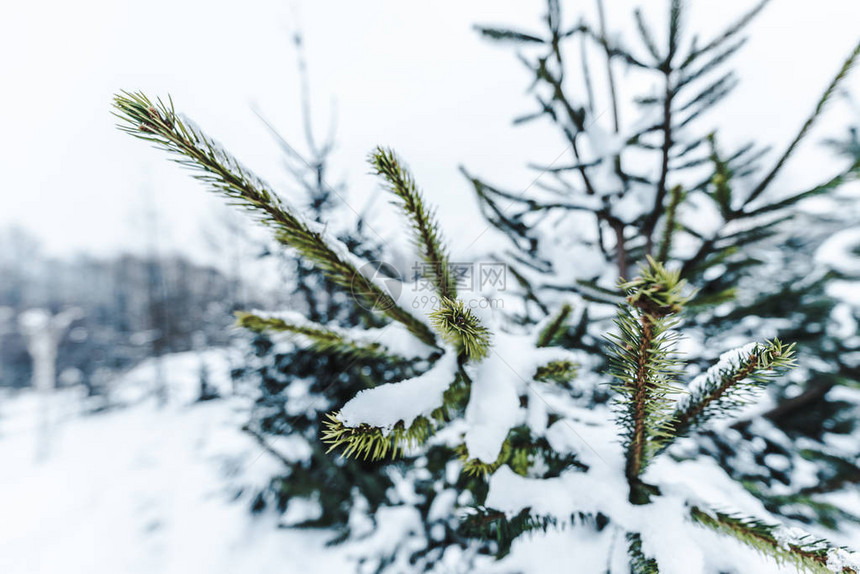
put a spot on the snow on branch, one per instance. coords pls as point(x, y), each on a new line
point(386, 405)
point(726, 386)
point(785, 545)
point(384, 420)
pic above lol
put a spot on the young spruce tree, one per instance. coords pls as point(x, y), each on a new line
point(646, 173)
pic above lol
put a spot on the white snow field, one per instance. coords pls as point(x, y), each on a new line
point(142, 488)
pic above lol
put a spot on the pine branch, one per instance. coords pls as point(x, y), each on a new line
point(730, 32)
point(425, 227)
point(819, 107)
point(558, 372)
point(639, 562)
point(646, 35)
point(641, 360)
point(488, 524)
point(665, 149)
point(508, 35)
point(610, 77)
point(554, 327)
point(371, 443)
point(320, 338)
point(721, 180)
point(803, 552)
point(381, 421)
point(159, 124)
point(670, 226)
point(725, 386)
point(460, 327)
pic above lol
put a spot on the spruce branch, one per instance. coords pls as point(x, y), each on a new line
point(677, 196)
point(725, 386)
point(158, 123)
point(807, 125)
point(489, 524)
point(424, 225)
point(641, 359)
point(675, 15)
point(657, 291)
point(320, 338)
point(689, 76)
point(520, 451)
point(735, 28)
point(558, 372)
point(721, 180)
point(707, 98)
point(517, 459)
point(850, 174)
point(646, 35)
point(371, 443)
point(610, 77)
point(554, 327)
point(805, 553)
point(508, 35)
point(462, 328)
point(639, 562)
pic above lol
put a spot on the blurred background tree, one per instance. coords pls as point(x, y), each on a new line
point(644, 173)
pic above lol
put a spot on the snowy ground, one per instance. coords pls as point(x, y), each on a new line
point(141, 488)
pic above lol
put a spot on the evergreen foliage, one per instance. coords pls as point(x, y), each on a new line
point(306, 364)
point(804, 552)
point(460, 327)
point(509, 407)
point(726, 385)
point(402, 185)
point(325, 340)
point(158, 123)
point(652, 176)
point(645, 367)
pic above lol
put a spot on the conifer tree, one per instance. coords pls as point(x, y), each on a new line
point(648, 174)
point(304, 366)
point(494, 396)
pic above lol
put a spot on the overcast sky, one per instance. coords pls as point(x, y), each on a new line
point(411, 75)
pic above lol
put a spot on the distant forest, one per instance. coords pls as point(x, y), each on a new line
point(130, 307)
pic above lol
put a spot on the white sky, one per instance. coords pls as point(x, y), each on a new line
point(411, 75)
